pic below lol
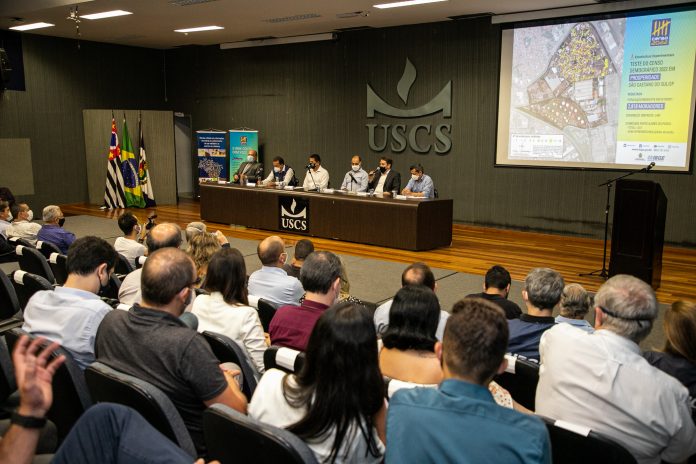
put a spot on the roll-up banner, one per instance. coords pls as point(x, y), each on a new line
point(212, 153)
point(241, 141)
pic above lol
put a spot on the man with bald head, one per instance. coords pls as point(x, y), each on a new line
point(151, 343)
point(250, 170)
point(271, 282)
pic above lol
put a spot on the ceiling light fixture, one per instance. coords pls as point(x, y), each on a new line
point(106, 14)
point(406, 3)
point(199, 29)
point(29, 27)
point(279, 41)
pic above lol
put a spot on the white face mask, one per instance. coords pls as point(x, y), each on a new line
point(414, 177)
point(9, 217)
point(355, 167)
point(250, 159)
point(30, 215)
point(276, 169)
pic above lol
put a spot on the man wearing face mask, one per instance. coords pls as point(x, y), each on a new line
point(130, 245)
point(7, 251)
point(355, 180)
point(321, 278)
point(5, 217)
point(22, 227)
point(52, 230)
point(250, 170)
point(317, 178)
point(384, 179)
point(71, 314)
point(280, 173)
point(271, 282)
point(420, 185)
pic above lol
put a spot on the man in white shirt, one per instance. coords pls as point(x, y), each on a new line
point(5, 217)
point(271, 282)
point(22, 226)
point(281, 174)
point(317, 178)
point(71, 314)
point(600, 380)
point(130, 245)
point(384, 180)
point(355, 180)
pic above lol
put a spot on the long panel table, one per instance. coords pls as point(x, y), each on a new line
point(407, 224)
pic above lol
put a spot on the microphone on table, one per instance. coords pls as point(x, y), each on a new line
point(310, 166)
point(650, 166)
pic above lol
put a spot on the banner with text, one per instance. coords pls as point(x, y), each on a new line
point(212, 151)
point(241, 141)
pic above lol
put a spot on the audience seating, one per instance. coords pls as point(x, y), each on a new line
point(285, 359)
point(266, 310)
point(31, 260)
point(234, 437)
point(111, 290)
point(123, 265)
point(573, 444)
point(7, 379)
point(26, 284)
point(7, 253)
point(70, 395)
point(9, 303)
point(59, 266)
point(227, 350)
point(520, 379)
point(140, 261)
point(46, 248)
point(16, 241)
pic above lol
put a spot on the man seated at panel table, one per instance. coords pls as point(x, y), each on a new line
point(384, 179)
point(317, 178)
point(281, 173)
point(250, 170)
point(420, 185)
point(355, 180)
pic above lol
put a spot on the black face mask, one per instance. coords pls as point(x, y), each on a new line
point(104, 288)
point(382, 169)
point(61, 221)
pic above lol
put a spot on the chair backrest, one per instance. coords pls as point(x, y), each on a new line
point(15, 241)
point(123, 265)
point(59, 266)
point(140, 261)
point(7, 379)
point(574, 444)
point(227, 350)
point(285, 359)
point(7, 251)
point(46, 248)
point(266, 310)
point(70, 395)
point(235, 437)
point(109, 385)
point(26, 284)
point(520, 379)
point(9, 302)
point(111, 290)
point(31, 260)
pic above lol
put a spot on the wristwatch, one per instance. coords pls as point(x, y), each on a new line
point(28, 422)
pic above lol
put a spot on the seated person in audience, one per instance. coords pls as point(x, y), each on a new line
point(321, 277)
point(355, 180)
point(21, 226)
point(106, 433)
point(151, 343)
point(194, 228)
point(384, 180)
point(336, 402)
point(71, 314)
point(678, 356)
point(601, 381)
point(5, 217)
point(7, 250)
point(542, 291)
point(426, 424)
point(52, 231)
point(281, 174)
point(131, 244)
point(250, 170)
point(420, 184)
point(201, 250)
point(302, 249)
point(496, 288)
point(271, 282)
point(574, 305)
point(161, 236)
point(317, 178)
point(226, 309)
point(6, 195)
point(344, 292)
point(415, 274)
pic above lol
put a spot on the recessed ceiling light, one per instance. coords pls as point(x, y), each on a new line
point(406, 3)
point(199, 29)
point(106, 14)
point(28, 27)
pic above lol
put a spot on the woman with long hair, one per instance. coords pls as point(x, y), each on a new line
point(226, 308)
point(336, 402)
point(201, 249)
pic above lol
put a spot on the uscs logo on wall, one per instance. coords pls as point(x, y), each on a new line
point(400, 135)
point(294, 214)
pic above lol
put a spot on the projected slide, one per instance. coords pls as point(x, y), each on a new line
point(608, 93)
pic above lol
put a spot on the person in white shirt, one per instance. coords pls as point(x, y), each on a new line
point(130, 245)
point(384, 180)
point(226, 309)
point(574, 305)
point(600, 380)
point(71, 314)
point(22, 227)
point(355, 180)
point(281, 174)
point(271, 282)
point(317, 178)
point(5, 217)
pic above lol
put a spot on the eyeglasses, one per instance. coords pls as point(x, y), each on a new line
point(637, 319)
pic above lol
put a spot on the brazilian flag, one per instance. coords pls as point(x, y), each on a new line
point(129, 169)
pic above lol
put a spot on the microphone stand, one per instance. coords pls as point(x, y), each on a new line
point(316, 187)
point(604, 272)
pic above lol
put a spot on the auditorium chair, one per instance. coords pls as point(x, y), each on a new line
point(233, 437)
point(123, 266)
point(8, 385)
point(70, 395)
point(31, 260)
point(520, 379)
point(574, 444)
point(26, 284)
point(110, 292)
point(7, 252)
point(266, 310)
point(59, 267)
point(16, 241)
point(9, 303)
point(227, 350)
point(140, 261)
point(285, 359)
point(109, 385)
point(46, 248)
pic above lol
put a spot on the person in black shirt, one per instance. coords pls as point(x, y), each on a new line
point(302, 249)
point(496, 288)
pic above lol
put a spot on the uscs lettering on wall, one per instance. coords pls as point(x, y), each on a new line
point(294, 214)
point(401, 135)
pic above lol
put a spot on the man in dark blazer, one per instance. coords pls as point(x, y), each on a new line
point(250, 170)
point(384, 179)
